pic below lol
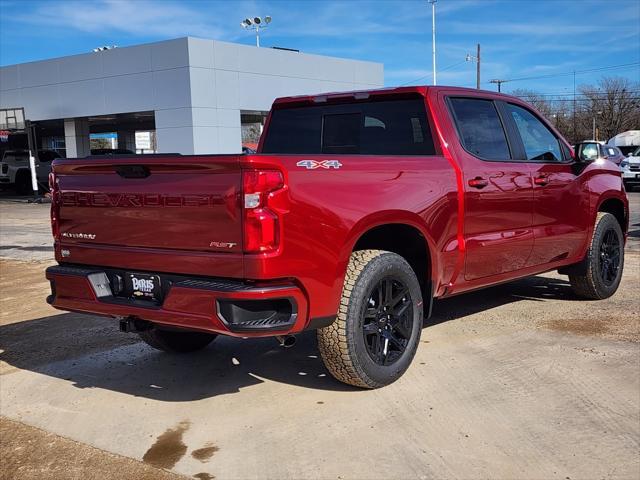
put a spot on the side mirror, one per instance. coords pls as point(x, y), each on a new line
point(630, 154)
point(586, 152)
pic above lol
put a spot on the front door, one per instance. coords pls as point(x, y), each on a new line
point(498, 192)
point(561, 204)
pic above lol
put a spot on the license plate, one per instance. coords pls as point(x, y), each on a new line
point(143, 286)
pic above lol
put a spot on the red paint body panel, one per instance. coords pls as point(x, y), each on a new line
point(169, 221)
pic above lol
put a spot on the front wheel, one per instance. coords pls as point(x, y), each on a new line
point(173, 341)
point(377, 331)
point(604, 261)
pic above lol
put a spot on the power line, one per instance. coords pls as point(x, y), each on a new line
point(567, 100)
point(538, 77)
point(568, 74)
point(429, 74)
point(589, 95)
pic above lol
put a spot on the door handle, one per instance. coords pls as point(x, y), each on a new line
point(478, 182)
point(541, 180)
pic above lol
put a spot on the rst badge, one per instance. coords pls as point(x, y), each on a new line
point(83, 236)
point(313, 164)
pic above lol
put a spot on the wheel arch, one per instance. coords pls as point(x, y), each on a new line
point(404, 234)
point(616, 207)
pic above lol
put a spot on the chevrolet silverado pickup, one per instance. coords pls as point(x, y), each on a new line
point(357, 211)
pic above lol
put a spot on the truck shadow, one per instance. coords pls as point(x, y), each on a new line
point(531, 288)
point(90, 352)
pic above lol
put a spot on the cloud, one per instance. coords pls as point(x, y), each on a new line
point(141, 18)
point(350, 19)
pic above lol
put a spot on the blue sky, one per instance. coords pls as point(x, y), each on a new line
point(519, 38)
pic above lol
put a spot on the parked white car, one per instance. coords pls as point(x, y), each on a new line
point(630, 167)
point(14, 169)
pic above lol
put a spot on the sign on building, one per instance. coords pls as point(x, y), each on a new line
point(143, 141)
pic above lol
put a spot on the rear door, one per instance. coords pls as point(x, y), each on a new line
point(561, 204)
point(498, 191)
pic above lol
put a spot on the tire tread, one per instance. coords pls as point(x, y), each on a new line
point(333, 341)
point(585, 286)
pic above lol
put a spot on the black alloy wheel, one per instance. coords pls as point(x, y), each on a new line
point(388, 321)
point(598, 276)
point(609, 258)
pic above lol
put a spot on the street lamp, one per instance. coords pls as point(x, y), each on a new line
point(256, 23)
point(433, 36)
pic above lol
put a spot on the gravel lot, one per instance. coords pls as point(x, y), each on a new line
point(517, 381)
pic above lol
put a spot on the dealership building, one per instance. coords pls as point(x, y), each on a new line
point(188, 95)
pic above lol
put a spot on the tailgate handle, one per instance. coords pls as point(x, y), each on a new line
point(133, 171)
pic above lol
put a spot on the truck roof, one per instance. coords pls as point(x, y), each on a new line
point(380, 92)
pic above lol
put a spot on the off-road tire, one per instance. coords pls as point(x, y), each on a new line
point(341, 344)
point(591, 285)
point(175, 341)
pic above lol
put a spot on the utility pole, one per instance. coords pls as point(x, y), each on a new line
point(499, 82)
point(433, 37)
point(594, 129)
point(478, 68)
point(575, 140)
point(475, 58)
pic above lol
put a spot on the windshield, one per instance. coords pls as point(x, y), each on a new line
point(636, 152)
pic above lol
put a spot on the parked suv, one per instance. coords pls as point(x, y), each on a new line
point(358, 209)
point(630, 167)
point(15, 172)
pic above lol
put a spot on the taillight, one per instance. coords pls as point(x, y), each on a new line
point(262, 209)
point(55, 207)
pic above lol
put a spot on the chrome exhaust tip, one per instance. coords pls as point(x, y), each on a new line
point(286, 341)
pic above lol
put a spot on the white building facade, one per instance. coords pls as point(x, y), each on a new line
point(192, 93)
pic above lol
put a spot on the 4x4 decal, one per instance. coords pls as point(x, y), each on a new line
point(313, 164)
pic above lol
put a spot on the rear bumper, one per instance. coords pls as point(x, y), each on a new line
point(206, 304)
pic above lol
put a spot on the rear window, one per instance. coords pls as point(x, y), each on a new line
point(393, 127)
point(611, 151)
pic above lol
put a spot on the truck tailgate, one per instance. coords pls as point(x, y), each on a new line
point(151, 202)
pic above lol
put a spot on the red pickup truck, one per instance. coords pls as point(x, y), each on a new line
point(358, 210)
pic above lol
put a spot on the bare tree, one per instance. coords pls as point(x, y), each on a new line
point(537, 100)
point(613, 104)
point(557, 111)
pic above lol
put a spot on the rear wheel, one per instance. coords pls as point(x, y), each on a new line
point(604, 261)
point(377, 331)
point(176, 342)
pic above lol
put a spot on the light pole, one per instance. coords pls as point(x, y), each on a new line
point(433, 37)
point(256, 23)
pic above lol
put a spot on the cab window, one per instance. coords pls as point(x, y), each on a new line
point(540, 144)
